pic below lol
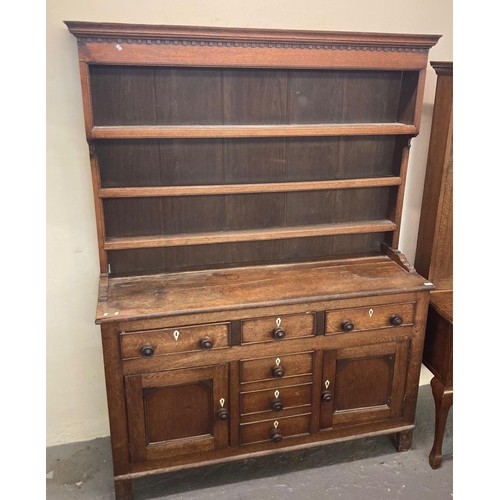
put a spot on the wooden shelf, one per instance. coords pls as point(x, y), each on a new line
point(277, 187)
point(228, 131)
point(275, 233)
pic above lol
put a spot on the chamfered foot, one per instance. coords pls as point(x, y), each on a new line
point(123, 490)
point(403, 439)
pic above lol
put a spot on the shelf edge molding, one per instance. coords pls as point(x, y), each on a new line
point(235, 131)
point(275, 233)
point(220, 189)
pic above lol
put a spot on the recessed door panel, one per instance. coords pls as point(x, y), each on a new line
point(363, 384)
point(177, 412)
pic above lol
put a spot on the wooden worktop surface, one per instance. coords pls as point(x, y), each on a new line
point(206, 291)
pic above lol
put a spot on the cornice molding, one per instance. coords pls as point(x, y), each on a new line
point(87, 32)
point(443, 68)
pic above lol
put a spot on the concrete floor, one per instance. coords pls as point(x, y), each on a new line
point(368, 469)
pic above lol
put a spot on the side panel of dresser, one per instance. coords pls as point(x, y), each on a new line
point(434, 254)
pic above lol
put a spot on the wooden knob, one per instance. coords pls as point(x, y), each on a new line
point(347, 325)
point(279, 333)
point(396, 320)
point(206, 344)
point(222, 414)
point(326, 397)
point(276, 435)
point(276, 404)
point(278, 372)
point(147, 350)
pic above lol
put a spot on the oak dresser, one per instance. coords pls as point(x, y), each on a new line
point(248, 195)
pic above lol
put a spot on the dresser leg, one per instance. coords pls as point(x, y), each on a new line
point(403, 440)
point(443, 399)
point(123, 490)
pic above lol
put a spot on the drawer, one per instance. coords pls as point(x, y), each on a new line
point(276, 367)
point(284, 427)
point(275, 328)
point(369, 317)
point(174, 340)
point(276, 399)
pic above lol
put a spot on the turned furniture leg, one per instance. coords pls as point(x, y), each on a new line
point(403, 440)
point(443, 399)
point(123, 490)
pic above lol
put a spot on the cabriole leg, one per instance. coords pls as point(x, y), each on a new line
point(443, 399)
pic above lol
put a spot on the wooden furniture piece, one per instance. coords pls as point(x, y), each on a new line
point(248, 193)
point(434, 255)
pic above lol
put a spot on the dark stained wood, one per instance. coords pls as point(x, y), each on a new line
point(187, 96)
point(254, 97)
point(369, 97)
point(128, 163)
point(250, 161)
point(122, 95)
point(315, 96)
point(260, 174)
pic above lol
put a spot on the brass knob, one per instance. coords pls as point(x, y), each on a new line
point(206, 344)
point(347, 325)
point(276, 435)
point(279, 333)
point(222, 414)
point(396, 320)
point(326, 397)
point(276, 404)
point(278, 371)
point(147, 350)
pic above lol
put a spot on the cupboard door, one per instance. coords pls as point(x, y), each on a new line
point(177, 412)
point(363, 384)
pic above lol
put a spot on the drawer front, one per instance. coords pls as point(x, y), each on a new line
point(369, 317)
point(276, 400)
point(276, 367)
point(288, 427)
point(174, 340)
point(272, 328)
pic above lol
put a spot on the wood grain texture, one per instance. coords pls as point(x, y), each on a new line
point(249, 235)
point(227, 131)
point(434, 254)
point(146, 296)
point(238, 149)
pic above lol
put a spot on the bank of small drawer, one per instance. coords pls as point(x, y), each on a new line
point(262, 329)
point(262, 401)
point(288, 426)
point(174, 340)
point(369, 317)
point(253, 370)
